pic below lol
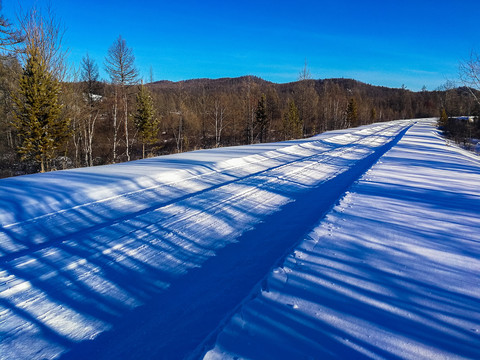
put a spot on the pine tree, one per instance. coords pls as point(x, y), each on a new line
point(373, 115)
point(352, 113)
point(261, 117)
point(292, 123)
point(41, 130)
point(297, 123)
point(144, 118)
point(443, 120)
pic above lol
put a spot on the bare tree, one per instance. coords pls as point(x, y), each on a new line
point(89, 76)
point(251, 89)
point(305, 73)
point(178, 131)
point(151, 74)
point(115, 123)
point(306, 99)
point(470, 74)
point(448, 99)
point(120, 66)
point(218, 116)
point(74, 107)
point(44, 32)
point(120, 63)
point(9, 36)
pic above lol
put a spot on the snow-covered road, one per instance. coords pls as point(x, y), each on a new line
point(150, 259)
point(391, 272)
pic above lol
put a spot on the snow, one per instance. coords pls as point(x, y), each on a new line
point(391, 272)
point(246, 252)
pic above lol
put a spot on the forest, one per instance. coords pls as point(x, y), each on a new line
point(53, 117)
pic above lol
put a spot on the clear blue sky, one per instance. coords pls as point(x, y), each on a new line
point(387, 42)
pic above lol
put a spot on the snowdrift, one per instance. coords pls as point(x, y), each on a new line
point(151, 259)
point(390, 273)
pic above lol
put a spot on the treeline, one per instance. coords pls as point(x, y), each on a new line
point(231, 105)
point(464, 130)
point(52, 117)
point(205, 113)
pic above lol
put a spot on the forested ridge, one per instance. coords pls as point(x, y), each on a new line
point(207, 113)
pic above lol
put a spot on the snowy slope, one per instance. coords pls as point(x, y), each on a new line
point(149, 259)
point(392, 271)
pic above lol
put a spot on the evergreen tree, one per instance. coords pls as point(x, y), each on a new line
point(41, 130)
point(297, 123)
point(261, 117)
point(373, 115)
point(352, 113)
point(292, 123)
point(443, 120)
point(144, 118)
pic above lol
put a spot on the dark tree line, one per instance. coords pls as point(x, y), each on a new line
point(256, 110)
point(464, 130)
point(114, 122)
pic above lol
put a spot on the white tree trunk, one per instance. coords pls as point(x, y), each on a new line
point(115, 130)
point(126, 125)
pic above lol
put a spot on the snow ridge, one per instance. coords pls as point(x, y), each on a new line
point(391, 272)
point(166, 247)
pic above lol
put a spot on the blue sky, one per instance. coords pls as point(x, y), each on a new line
point(386, 43)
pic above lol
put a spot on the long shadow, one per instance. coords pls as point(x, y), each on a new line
point(409, 303)
point(106, 222)
point(194, 305)
point(183, 308)
point(398, 306)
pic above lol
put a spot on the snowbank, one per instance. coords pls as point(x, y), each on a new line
point(391, 272)
point(103, 262)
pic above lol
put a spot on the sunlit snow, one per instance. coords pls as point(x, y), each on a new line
point(247, 252)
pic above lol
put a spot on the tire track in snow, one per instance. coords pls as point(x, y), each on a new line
point(182, 304)
point(117, 248)
point(174, 219)
point(50, 220)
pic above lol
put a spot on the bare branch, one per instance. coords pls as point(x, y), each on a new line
point(45, 33)
point(470, 74)
point(120, 63)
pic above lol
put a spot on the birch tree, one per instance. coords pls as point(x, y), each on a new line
point(89, 77)
point(470, 75)
point(120, 66)
point(306, 98)
point(218, 115)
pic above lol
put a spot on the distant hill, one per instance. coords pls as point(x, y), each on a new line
point(389, 103)
point(236, 82)
point(206, 113)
